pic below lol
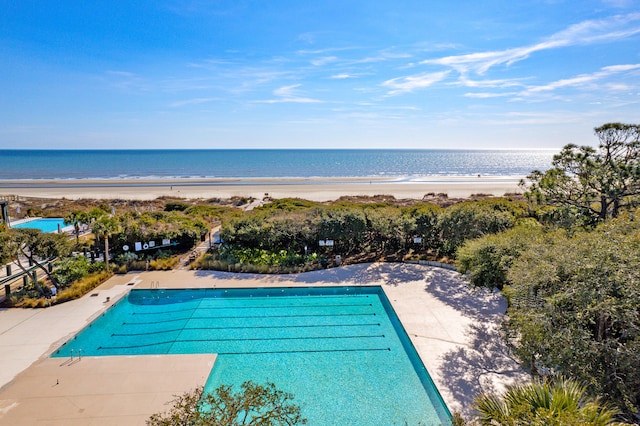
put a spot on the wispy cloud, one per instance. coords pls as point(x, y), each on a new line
point(343, 76)
point(464, 81)
point(125, 80)
point(583, 79)
point(194, 101)
point(413, 82)
point(487, 95)
point(323, 61)
point(587, 32)
point(289, 94)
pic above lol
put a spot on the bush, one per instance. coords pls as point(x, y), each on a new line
point(487, 260)
point(83, 286)
point(72, 269)
point(474, 219)
point(171, 206)
point(28, 302)
point(163, 264)
point(574, 309)
point(212, 262)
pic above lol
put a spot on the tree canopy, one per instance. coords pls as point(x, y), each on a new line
point(574, 301)
point(597, 183)
point(36, 246)
point(252, 405)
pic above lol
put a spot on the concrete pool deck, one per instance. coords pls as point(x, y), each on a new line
point(454, 328)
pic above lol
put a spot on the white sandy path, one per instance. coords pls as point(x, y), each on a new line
point(454, 328)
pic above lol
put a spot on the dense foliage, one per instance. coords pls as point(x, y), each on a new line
point(361, 232)
point(36, 247)
point(575, 309)
point(70, 269)
point(252, 405)
point(595, 184)
point(574, 301)
point(557, 403)
point(177, 226)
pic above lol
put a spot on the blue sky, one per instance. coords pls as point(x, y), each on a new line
point(315, 74)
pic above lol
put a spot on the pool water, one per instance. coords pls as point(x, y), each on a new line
point(341, 351)
point(50, 224)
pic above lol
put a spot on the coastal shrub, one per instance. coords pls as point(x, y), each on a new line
point(28, 302)
point(72, 269)
point(574, 309)
point(288, 205)
point(347, 227)
point(473, 219)
point(249, 256)
point(422, 222)
point(163, 264)
point(126, 257)
point(212, 213)
point(83, 286)
point(175, 206)
point(211, 261)
point(181, 229)
point(487, 260)
point(365, 231)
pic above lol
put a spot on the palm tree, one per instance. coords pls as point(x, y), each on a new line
point(103, 227)
point(76, 218)
point(559, 402)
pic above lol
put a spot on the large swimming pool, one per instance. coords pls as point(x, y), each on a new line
point(50, 224)
point(341, 351)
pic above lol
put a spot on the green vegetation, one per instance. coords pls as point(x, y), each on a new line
point(253, 405)
point(593, 184)
point(103, 228)
point(70, 269)
point(83, 286)
point(74, 275)
point(557, 403)
point(37, 247)
point(259, 261)
point(573, 282)
point(293, 233)
point(574, 301)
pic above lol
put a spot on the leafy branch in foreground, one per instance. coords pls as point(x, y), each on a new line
point(253, 405)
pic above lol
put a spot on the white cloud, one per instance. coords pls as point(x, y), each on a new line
point(466, 82)
point(323, 61)
point(289, 94)
point(343, 76)
point(486, 95)
point(584, 33)
point(410, 83)
point(583, 79)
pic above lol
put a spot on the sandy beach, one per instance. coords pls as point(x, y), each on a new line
point(315, 189)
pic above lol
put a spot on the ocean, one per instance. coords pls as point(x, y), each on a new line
point(252, 163)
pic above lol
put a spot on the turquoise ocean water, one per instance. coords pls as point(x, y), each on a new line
point(247, 163)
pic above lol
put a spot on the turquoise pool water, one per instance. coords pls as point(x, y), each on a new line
point(341, 351)
point(44, 224)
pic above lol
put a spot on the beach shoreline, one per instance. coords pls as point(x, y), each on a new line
point(313, 189)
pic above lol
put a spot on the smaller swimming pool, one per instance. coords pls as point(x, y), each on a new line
point(47, 224)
